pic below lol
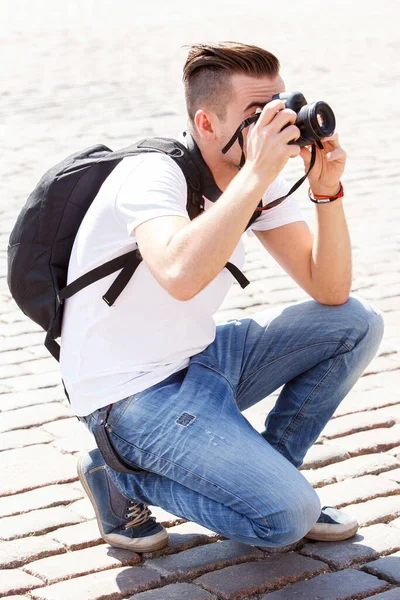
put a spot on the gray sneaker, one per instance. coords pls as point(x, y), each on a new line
point(333, 525)
point(123, 523)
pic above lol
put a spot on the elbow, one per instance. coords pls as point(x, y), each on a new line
point(332, 298)
point(179, 285)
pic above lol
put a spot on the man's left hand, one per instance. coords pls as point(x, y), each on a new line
point(329, 165)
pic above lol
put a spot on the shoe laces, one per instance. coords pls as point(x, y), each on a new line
point(138, 514)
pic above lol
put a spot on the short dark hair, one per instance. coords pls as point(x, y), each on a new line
point(209, 67)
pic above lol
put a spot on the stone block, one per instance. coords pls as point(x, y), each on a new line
point(32, 382)
point(366, 545)
point(321, 455)
point(379, 510)
point(184, 536)
point(376, 440)
point(357, 402)
point(240, 581)
point(81, 562)
point(343, 585)
point(349, 424)
point(350, 492)
point(36, 522)
point(389, 595)
point(19, 438)
point(14, 581)
point(395, 523)
point(366, 464)
point(175, 591)
point(107, 585)
point(27, 468)
point(195, 561)
point(14, 400)
point(394, 475)
point(76, 537)
point(387, 567)
point(14, 554)
point(45, 497)
point(32, 416)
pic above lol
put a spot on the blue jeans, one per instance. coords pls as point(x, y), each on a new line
point(205, 462)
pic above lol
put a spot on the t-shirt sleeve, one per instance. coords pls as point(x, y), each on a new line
point(283, 214)
point(154, 187)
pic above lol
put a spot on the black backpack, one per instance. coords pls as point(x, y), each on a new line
point(41, 241)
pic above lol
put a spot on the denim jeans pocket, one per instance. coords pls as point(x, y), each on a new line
point(118, 410)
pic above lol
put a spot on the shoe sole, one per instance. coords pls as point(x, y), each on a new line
point(158, 540)
point(332, 536)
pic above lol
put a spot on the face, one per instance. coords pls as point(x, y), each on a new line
point(249, 93)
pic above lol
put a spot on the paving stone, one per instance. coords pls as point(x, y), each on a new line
point(350, 492)
point(14, 357)
point(27, 468)
point(14, 554)
point(81, 562)
point(31, 416)
point(395, 451)
point(36, 522)
point(20, 342)
point(393, 594)
point(185, 536)
point(361, 421)
point(175, 591)
point(388, 381)
point(32, 382)
point(19, 438)
point(14, 581)
point(107, 585)
point(67, 428)
point(16, 400)
point(376, 440)
point(379, 510)
point(367, 544)
point(45, 497)
point(344, 585)
point(83, 508)
point(395, 523)
point(76, 537)
point(394, 475)
point(198, 560)
point(324, 454)
point(366, 464)
point(387, 567)
point(241, 581)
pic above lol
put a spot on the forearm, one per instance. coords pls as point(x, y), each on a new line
point(199, 251)
point(331, 265)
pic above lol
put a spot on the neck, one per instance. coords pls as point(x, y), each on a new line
point(222, 172)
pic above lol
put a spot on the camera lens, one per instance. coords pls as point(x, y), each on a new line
point(315, 121)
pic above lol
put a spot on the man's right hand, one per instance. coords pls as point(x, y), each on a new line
point(267, 143)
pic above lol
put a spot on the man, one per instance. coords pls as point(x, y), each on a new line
point(175, 382)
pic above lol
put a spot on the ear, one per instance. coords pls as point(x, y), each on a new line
point(206, 124)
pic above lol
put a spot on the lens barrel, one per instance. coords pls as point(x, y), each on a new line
point(315, 121)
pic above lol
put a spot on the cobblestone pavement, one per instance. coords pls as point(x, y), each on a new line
point(76, 73)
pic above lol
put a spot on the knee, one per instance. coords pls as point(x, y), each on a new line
point(298, 512)
point(364, 323)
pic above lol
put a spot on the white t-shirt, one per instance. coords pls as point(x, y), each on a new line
point(109, 353)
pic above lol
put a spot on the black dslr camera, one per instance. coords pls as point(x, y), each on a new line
point(315, 120)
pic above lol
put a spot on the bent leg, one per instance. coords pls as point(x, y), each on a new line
point(317, 352)
point(208, 464)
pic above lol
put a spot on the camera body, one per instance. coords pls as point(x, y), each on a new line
point(315, 121)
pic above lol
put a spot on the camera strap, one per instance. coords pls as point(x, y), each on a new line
point(238, 135)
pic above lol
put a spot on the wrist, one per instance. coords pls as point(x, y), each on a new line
point(326, 191)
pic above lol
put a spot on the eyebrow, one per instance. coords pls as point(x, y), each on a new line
point(255, 104)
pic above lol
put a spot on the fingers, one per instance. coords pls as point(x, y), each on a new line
point(337, 154)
